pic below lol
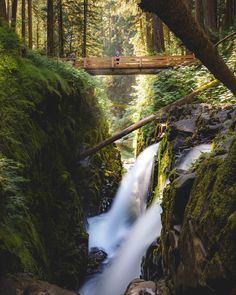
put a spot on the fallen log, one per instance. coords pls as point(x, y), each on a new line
point(184, 100)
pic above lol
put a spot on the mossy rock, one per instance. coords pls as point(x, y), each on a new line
point(205, 241)
point(48, 115)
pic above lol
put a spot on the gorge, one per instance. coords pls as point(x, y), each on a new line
point(73, 225)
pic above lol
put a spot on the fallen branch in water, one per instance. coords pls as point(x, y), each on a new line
point(184, 100)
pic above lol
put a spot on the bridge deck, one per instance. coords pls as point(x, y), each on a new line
point(129, 65)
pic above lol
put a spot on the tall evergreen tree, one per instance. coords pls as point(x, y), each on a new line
point(50, 28)
point(230, 13)
point(157, 34)
point(3, 11)
point(60, 28)
point(84, 45)
point(210, 16)
point(199, 12)
point(14, 13)
point(30, 29)
point(23, 27)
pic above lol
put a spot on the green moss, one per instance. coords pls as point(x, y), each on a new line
point(48, 115)
point(164, 164)
point(212, 210)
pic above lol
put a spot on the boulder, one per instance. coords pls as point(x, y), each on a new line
point(186, 125)
point(25, 285)
point(141, 287)
point(96, 257)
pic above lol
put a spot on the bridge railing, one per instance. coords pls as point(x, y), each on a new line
point(123, 62)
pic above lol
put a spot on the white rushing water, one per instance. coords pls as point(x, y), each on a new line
point(126, 231)
point(193, 155)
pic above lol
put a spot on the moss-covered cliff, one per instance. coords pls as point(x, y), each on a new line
point(196, 250)
point(48, 115)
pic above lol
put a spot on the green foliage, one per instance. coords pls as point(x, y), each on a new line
point(11, 182)
point(172, 85)
point(163, 89)
point(48, 114)
point(9, 41)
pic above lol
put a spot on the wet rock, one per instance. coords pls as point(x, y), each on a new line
point(141, 287)
point(183, 186)
point(96, 257)
point(196, 249)
point(24, 285)
point(151, 265)
point(185, 125)
point(198, 254)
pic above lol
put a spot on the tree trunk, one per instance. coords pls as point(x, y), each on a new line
point(148, 32)
point(182, 101)
point(8, 11)
point(189, 4)
point(142, 33)
point(155, 37)
point(199, 13)
point(23, 28)
point(37, 33)
point(30, 29)
point(3, 10)
point(210, 16)
point(230, 13)
point(84, 47)
point(157, 34)
point(14, 13)
point(177, 17)
point(50, 28)
point(60, 28)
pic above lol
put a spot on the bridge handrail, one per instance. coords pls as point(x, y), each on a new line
point(129, 61)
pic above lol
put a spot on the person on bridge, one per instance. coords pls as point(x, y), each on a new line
point(117, 59)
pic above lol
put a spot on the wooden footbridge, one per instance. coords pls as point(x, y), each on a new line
point(132, 65)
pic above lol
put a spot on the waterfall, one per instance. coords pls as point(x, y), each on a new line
point(194, 155)
point(126, 231)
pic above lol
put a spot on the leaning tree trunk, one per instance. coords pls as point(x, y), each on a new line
point(190, 98)
point(3, 10)
point(177, 17)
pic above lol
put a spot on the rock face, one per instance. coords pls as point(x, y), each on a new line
point(197, 246)
point(200, 257)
